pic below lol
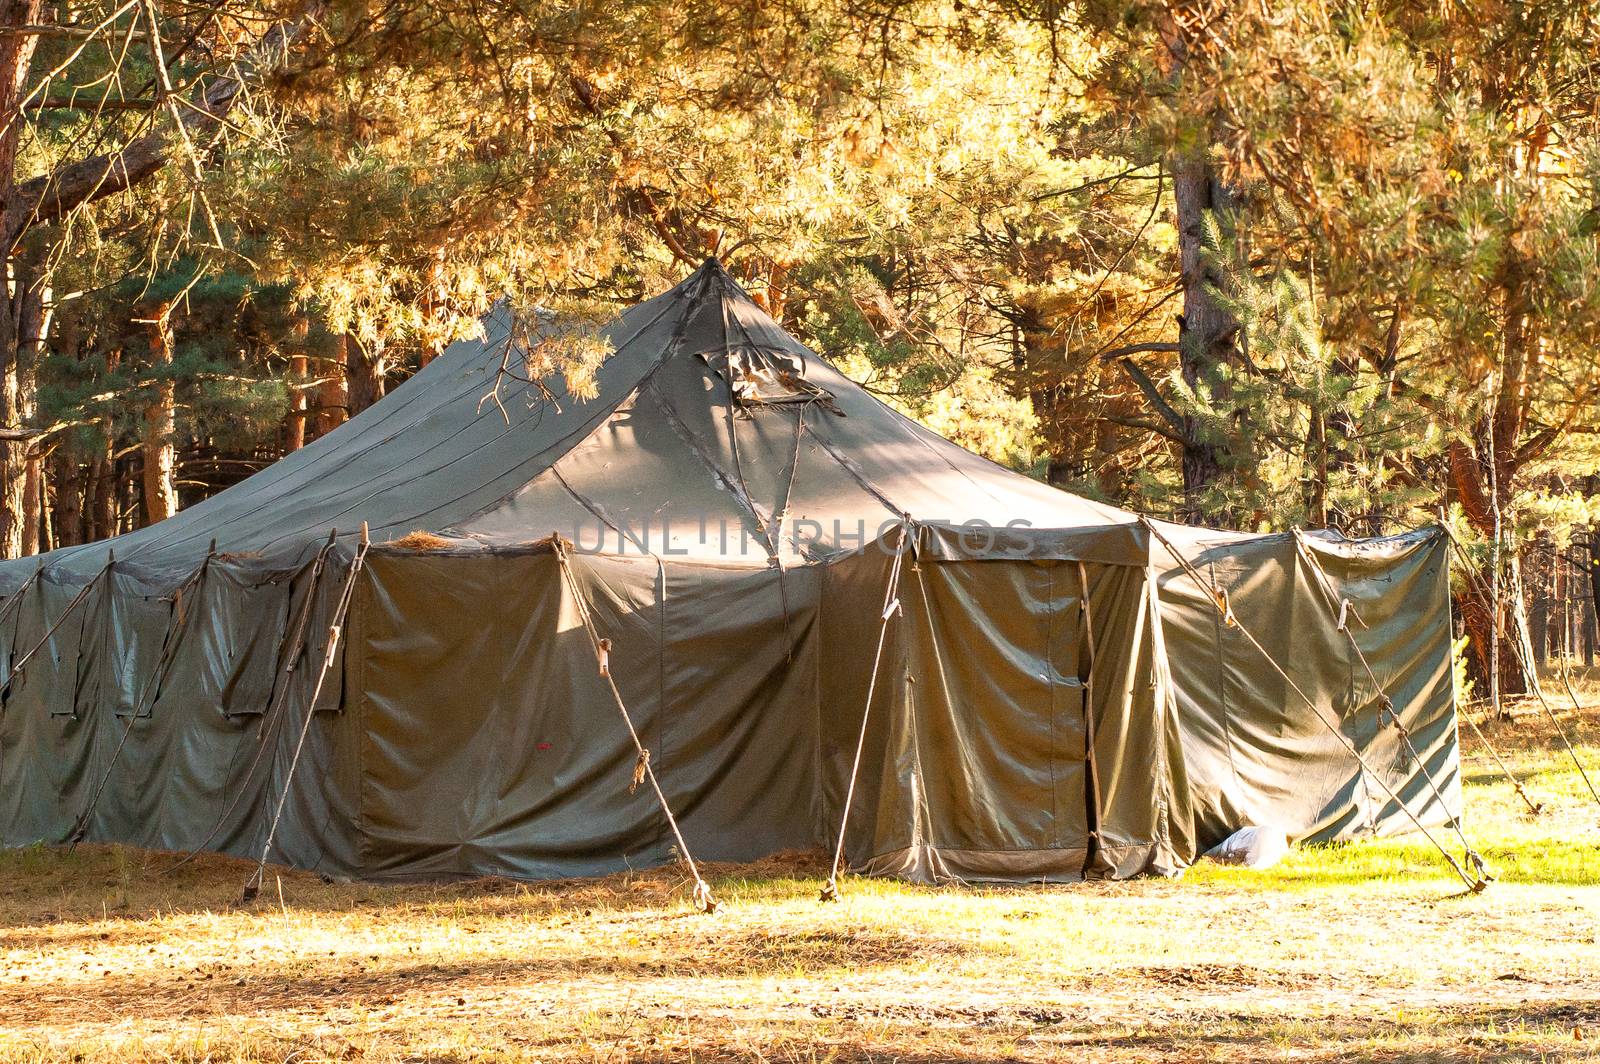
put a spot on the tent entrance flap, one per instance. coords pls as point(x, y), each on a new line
point(988, 760)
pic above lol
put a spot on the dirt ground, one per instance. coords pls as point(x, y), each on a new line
point(1366, 951)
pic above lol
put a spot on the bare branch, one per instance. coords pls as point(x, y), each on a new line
point(1153, 395)
point(70, 33)
point(1134, 349)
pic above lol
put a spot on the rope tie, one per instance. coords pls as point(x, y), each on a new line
point(891, 606)
point(1475, 884)
point(1219, 597)
point(252, 886)
point(642, 769)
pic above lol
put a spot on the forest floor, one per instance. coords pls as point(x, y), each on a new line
point(1368, 951)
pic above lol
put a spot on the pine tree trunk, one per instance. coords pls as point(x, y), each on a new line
point(102, 497)
point(16, 55)
point(22, 325)
point(1539, 580)
point(365, 369)
point(1591, 627)
point(13, 452)
point(333, 395)
point(294, 426)
point(68, 518)
point(1207, 330)
point(33, 323)
point(160, 424)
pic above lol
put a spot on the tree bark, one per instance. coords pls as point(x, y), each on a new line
point(160, 424)
point(1208, 331)
point(1539, 581)
point(22, 325)
point(333, 395)
point(294, 426)
point(68, 502)
point(365, 370)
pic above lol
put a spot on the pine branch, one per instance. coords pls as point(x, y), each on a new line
point(1168, 413)
point(49, 198)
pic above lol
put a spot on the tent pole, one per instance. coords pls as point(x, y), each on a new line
point(891, 606)
point(642, 768)
point(253, 885)
point(1219, 599)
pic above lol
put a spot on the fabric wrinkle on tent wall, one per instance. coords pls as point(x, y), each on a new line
point(177, 626)
point(297, 640)
point(703, 898)
point(72, 607)
point(14, 602)
point(1091, 762)
point(1475, 884)
point(1485, 587)
point(272, 713)
point(253, 885)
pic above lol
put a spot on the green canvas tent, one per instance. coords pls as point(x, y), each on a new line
point(1054, 691)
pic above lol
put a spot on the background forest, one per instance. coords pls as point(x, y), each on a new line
point(1306, 263)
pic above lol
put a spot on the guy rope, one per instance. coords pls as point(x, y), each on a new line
point(891, 606)
point(1219, 599)
point(253, 885)
point(642, 769)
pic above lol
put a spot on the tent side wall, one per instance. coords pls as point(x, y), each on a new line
point(492, 744)
point(977, 756)
point(1254, 752)
point(149, 710)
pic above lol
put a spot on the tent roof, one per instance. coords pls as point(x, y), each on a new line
point(663, 457)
